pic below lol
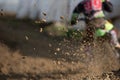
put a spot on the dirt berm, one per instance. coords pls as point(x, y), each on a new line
point(27, 53)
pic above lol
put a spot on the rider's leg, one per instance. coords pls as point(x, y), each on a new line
point(114, 38)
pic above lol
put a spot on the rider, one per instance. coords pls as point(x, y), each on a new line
point(94, 14)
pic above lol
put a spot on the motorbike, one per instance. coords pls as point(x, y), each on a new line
point(92, 34)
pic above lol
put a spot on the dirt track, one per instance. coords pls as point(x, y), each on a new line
point(28, 54)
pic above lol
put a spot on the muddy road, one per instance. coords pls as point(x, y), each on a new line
point(27, 53)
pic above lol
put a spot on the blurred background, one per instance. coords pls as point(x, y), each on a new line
point(50, 10)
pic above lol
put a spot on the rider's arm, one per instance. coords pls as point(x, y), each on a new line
point(78, 9)
point(107, 6)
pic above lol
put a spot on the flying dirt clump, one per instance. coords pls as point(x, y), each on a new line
point(96, 56)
